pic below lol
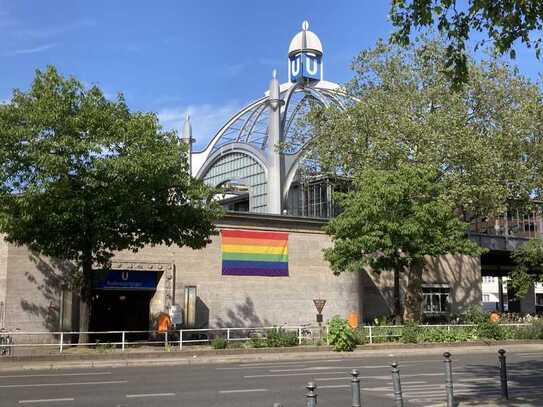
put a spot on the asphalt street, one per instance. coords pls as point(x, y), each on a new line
point(259, 384)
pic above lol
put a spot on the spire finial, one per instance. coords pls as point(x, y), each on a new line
point(274, 73)
point(305, 25)
point(187, 116)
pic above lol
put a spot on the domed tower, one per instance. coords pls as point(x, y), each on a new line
point(255, 156)
point(305, 56)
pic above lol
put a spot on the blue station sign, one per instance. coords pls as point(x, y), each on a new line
point(306, 65)
point(142, 280)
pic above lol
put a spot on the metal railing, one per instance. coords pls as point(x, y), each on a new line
point(375, 333)
point(168, 339)
point(177, 339)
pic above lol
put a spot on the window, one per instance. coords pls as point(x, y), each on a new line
point(486, 297)
point(488, 279)
point(436, 298)
point(539, 299)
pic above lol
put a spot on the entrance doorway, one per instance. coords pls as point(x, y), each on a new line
point(120, 310)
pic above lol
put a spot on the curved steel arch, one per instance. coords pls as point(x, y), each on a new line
point(243, 148)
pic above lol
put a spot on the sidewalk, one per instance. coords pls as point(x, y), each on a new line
point(211, 356)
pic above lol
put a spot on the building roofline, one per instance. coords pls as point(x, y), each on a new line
point(272, 222)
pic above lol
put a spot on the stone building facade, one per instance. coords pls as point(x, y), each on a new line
point(33, 299)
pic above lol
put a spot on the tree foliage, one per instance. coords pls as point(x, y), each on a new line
point(392, 220)
point(485, 141)
point(82, 177)
point(528, 259)
point(425, 160)
point(504, 22)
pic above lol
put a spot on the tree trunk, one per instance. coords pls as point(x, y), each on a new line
point(413, 294)
point(85, 308)
point(397, 300)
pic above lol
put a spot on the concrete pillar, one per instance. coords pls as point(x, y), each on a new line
point(276, 160)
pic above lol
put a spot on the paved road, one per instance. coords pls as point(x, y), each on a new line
point(258, 384)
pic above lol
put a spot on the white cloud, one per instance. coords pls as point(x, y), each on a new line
point(206, 119)
point(35, 50)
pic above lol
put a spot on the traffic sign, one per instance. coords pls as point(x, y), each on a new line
point(319, 305)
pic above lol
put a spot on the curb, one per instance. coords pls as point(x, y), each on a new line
point(236, 356)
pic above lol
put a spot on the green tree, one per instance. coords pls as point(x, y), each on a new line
point(482, 146)
point(528, 269)
point(82, 177)
point(392, 220)
point(485, 141)
point(504, 21)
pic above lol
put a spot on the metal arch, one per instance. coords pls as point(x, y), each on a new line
point(334, 98)
point(297, 108)
point(254, 114)
point(243, 148)
point(231, 121)
point(257, 118)
point(286, 99)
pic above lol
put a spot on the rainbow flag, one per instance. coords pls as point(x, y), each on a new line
point(254, 253)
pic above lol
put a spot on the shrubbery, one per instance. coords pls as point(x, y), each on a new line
point(278, 337)
point(341, 337)
point(219, 343)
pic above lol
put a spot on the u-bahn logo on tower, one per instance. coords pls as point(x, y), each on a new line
point(305, 65)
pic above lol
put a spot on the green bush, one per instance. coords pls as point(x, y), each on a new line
point(475, 315)
point(341, 337)
point(410, 333)
point(383, 334)
point(219, 343)
point(442, 334)
point(534, 331)
point(278, 337)
point(258, 343)
point(361, 336)
point(490, 330)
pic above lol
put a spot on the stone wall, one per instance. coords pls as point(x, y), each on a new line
point(461, 273)
point(32, 288)
point(3, 279)
point(254, 301)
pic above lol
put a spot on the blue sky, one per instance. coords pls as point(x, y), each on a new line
point(206, 57)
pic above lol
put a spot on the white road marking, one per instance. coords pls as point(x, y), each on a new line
point(44, 401)
point(55, 375)
point(335, 386)
point(256, 376)
point(13, 386)
point(290, 363)
point(129, 396)
point(331, 368)
point(257, 367)
point(408, 383)
point(382, 377)
point(242, 391)
point(482, 379)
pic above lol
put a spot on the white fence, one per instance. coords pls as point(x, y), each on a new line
point(179, 338)
point(377, 332)
point(124, 339)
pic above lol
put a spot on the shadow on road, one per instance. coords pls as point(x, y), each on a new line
point(525, 383)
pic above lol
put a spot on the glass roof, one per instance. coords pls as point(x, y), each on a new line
point(252, 126)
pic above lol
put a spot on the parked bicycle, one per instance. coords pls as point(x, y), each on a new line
point(306, 331)
point(6, 343)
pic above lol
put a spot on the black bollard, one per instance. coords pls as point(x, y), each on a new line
point(355, 387)
point(311, 394)
point(397, 385)
point(503, 374)
point(448, 379)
